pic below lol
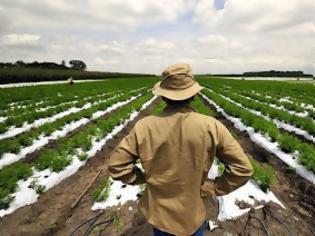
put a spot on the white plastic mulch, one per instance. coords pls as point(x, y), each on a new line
point(13, 131)
point(248, 193)
point(280, 124)
point(9, 158)
point(268, 78)
point(292, 112)
point(261, 140)
point(26, 196)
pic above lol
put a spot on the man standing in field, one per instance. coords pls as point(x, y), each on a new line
point(176, 150)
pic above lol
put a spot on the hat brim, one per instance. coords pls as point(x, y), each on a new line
point(176, 94)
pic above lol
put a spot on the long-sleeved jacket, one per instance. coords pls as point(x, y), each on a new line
point(176, 150)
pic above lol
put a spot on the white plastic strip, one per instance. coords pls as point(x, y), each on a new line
point(259, 139)
point(13, 131)
point(278, 123)
point(9, 158)
point(26, 196)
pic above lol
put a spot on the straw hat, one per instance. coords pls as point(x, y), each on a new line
point(177, 83)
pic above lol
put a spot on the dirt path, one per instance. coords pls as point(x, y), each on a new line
point(52, 213)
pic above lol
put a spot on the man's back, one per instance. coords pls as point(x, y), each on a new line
point(176, 150)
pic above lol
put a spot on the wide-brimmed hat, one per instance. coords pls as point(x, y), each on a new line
point(177, 83)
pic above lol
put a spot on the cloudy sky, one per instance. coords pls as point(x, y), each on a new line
point(214, 36)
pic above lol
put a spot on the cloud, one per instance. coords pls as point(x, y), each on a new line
point(95, 14)
point(255, 15)
point(215, 36)
point(19, 39)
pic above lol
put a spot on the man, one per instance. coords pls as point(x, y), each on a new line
point(176, 150)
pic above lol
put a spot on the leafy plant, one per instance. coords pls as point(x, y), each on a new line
point(53, 160)
point(5, 199)
point(288, 143)
point(102, 193)
point(221, 167)
point(263, 175)
point(142, 188)
point(9, 176)
point(118, 223)
point(83, 156)
point(39, 189)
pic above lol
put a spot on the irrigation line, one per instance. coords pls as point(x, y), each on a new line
point(262, 225)
point(92, 224)
point(108, 222)
point(266, 211)
point(86, 221)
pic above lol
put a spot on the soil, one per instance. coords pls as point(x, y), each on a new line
point(52, 213)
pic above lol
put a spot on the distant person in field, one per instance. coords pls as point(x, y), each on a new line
point(176, 150)
point(70, 81)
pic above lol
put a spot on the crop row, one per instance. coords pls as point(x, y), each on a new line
point(299, 109)
point(285, 126)
point(17, 148)
point(274, 101)
point(22, 96)
point(56, 102)
point(13, 131)
point(298, 93)
point(286, 142)
point(305, 123)
point(56, 160)
point(29, 117)
point(47, 104)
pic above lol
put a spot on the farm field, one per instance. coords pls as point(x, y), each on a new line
point(55, 142)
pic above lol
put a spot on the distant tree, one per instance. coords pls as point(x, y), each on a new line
point(6, 64)
point(19, 63)
point(77, 64)
point(63, 63)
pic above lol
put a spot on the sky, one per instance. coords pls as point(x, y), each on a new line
point(145, 36)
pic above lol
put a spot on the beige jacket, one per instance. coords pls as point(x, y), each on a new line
point(176, 150)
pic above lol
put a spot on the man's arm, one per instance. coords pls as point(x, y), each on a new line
point(238, 168)
point(122, 161)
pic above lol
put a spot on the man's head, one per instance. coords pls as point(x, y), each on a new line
point(177, 83)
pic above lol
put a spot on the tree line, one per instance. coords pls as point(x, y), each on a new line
point(50, 71)
point(275, 73)
point(270, 73)
point(74, 64)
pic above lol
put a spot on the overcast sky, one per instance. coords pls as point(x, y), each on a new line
point(214, 36)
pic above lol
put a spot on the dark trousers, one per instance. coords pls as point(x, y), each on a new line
point(199, 232)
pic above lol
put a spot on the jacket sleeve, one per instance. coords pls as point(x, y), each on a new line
point(238, 168)
point(123, 159)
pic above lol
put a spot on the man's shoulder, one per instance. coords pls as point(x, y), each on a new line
point(156, 119)
point(204, 119)
point(147, 120)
